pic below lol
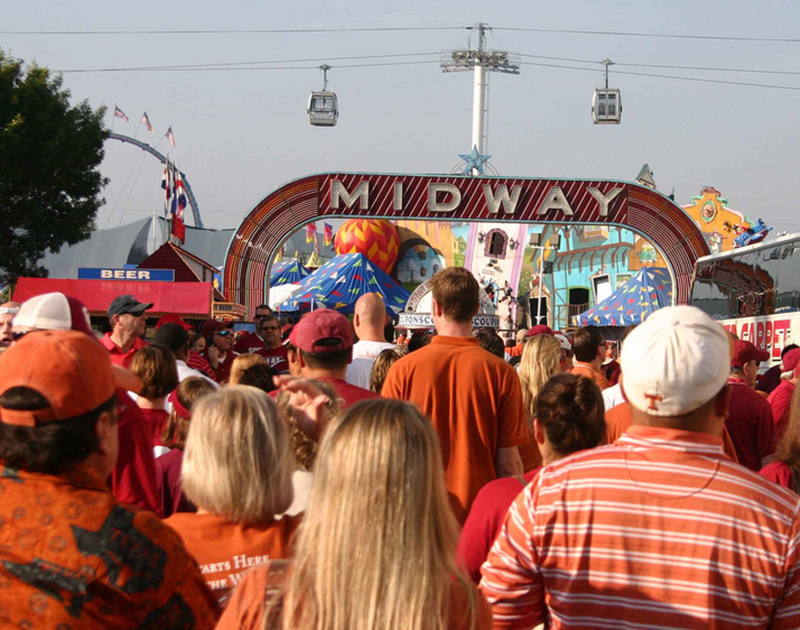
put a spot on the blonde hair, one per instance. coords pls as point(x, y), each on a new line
point(540, 360)
point(237, 461)
point(788, 449)
point(377, 545)
point(380, 368)
point(240, 365)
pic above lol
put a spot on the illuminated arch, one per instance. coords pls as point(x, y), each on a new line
point(441, 197)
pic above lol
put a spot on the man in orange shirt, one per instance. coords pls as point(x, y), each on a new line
point(72, 556)
point(661, 529)
point(590, 352)
point(473, 398)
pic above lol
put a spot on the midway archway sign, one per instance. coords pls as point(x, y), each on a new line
point(457, 198)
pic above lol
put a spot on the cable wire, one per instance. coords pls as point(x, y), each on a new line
point(725, 38)
point(254, 31)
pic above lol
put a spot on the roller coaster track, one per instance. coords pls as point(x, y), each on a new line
point(198, 222)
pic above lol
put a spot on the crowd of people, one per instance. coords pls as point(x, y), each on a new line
point(321, 476)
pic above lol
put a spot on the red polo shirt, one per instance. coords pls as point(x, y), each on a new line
point(779, 400)
point(118, 357)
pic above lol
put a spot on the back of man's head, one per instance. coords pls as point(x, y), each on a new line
point(456, 291)
point(586, 342)
point(174, 338)
point(676, 362)
point(54, 386)
point(370, 314)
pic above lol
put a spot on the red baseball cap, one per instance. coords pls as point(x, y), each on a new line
point(71, 370)
point(323, 330)
point(791, 359)
point(173, 318)
point(540, 329)
point(745, 351)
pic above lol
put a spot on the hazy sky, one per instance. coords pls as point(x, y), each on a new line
point(242, 133)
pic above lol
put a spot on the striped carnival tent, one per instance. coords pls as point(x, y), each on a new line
point(649, 290)
point(288, 271)
point(339, 283)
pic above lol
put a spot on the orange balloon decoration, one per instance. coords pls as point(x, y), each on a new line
point(375, 238)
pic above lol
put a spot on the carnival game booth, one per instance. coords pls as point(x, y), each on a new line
point(191, 300)
point(339, 283)
point(649, 290)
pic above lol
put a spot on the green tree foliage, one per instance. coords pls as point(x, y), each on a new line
point(50, 153)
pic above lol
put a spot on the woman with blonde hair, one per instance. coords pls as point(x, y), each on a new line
point(377, 546)
point(785, 469)
point(541, 359)
point(237, 469)
point(241, 364)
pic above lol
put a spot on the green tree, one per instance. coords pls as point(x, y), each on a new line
point(50, 153)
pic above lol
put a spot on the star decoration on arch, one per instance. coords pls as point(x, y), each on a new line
point(474, 161)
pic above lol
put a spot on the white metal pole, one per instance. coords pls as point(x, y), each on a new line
point(479, 107)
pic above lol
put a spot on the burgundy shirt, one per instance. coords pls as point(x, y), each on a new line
point(485, 519)
point(253, 344)
point(223, 371)
point(154, 420)
point(750, 425)
point(169, 466)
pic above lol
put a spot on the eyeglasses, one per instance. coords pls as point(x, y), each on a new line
point(264, 316)
point(223, 333)
point(270, 328)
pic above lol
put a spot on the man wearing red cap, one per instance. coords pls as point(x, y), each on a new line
point(72, 556)
point(324, 342)
point(473, 398)
point(749, 420)
point(590, 352)
point(781, 396)
point(127, 317)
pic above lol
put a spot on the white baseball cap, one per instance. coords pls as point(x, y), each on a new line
point(675, 362)
point(53, 311)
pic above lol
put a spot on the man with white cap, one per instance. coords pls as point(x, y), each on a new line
point(7, 313)
point(660, 529)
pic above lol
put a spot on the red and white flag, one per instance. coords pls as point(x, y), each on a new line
point(170, 136)
point(120, 114)
point(146, 122)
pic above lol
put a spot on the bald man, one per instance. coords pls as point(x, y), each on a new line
point(369, 321)
point(7, 313)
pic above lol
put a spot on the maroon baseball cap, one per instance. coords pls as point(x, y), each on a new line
point(540, 329)
point(744, 352)
point(212, 326)
point(323, 330)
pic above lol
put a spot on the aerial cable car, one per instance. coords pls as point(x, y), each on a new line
point(607, 103)
point(323, 107)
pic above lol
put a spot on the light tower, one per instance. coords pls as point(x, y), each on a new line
point(481, 62)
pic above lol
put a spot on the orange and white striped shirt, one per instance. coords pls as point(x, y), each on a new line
point(660, 530)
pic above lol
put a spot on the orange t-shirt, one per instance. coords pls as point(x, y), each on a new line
point(588, 370)
point(474, 400)
point(618, 419)
point(225, 550)
point(246, 607)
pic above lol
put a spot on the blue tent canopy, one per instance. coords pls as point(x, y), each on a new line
point(288, 271)
point(340, 282)
point(649, 290)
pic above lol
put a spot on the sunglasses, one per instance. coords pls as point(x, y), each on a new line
point(270, 328)
point(223, 333)
point(16, 336)
point(264, 316)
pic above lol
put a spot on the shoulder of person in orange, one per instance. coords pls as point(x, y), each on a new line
point(678, 501)
point(76, 537)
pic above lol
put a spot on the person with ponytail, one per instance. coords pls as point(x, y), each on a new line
point(377, 547)
point(568, 417)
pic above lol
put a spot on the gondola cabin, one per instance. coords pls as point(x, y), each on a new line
point(323, 109)
point(606, 106)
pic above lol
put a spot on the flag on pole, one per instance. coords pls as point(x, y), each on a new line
point(316, 245)
point(170, 136)
point(146, 122)
point(180, 192)
point(327, 237)
point(311, 232)
point(165, 184)
point(120, 114)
